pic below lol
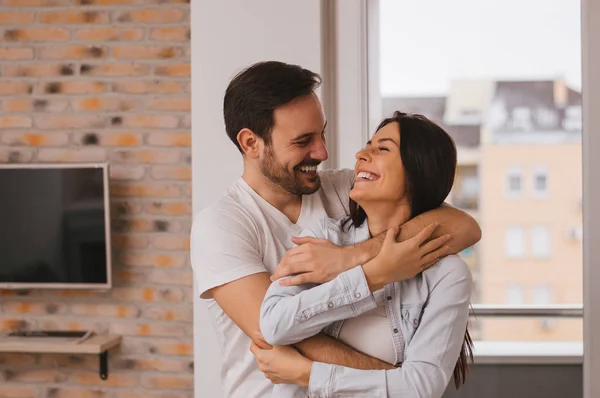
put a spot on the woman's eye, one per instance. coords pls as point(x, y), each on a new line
point(382, 148)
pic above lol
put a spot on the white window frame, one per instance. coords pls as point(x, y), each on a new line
point(540, 171)
point(535, 253)
point(513, 290)
point(513, 171)
point(508, 253)
point(345, 37)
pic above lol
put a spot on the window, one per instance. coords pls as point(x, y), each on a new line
point(541, 295)
point(514, 182)
point(540, 182)
point(514, 242)
point(515, 295)
point(540, 242)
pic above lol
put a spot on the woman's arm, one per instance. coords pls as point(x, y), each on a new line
point(430, 357)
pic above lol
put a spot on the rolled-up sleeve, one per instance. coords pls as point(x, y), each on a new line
point(430, 357)
point(290, 314)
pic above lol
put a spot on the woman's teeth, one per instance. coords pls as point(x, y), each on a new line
point(366, 176)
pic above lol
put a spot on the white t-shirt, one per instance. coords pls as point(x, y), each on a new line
point(242, 234)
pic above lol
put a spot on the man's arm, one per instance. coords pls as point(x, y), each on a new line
point(319, 261)
point(241, 301)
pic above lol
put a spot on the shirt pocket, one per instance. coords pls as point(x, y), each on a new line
point(411, 317)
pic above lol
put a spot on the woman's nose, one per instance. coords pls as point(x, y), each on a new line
point(362, 155)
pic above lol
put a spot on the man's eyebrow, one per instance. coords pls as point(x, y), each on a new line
point(305, 135)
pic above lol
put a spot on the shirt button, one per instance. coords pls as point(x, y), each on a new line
point(330, 304)
point(415, 322)
point(357, 295)
point(389, 297)
point(395, 330)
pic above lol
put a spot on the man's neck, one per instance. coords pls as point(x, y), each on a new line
point(287, 203)
point(385, 215)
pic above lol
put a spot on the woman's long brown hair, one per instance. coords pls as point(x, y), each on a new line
point(429, 157)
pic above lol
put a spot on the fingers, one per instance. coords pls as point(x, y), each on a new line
point(391, 234)
point(303, 239)
point(425, 233)
point(434, 244)
point(259, 340)
point(294, 280)
point(436, 254)
point(288, 269)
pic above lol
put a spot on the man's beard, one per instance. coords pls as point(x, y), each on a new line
point(280, 176)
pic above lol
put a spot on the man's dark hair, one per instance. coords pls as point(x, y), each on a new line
point(253, 95)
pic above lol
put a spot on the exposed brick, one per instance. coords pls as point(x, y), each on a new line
point(36, 34)
point(150, 121)
point(172, 173)
point(146, 259)
point(68, 361)
point(71, 155)
point(71, 392)
point(125, 207)
point(97, 326)
point(147, 224)
point(114, 70)
point(73, 87)
point(170, 139)
point(146, 52)
point(115, 379)
point(29, 104)
point(106, 310)
point(147, 87)
point(16, 359)
point(153, 190)
point(176, 70)
point(8, 122)
point(9, 324)
point(71, 52)
point(16, 155)
point(17, 391)
point(172, 348)
point(153, 364)
point(148, 329)
point(163, 276)
point(171, 242)
point(151, 16)
point(129, 241)
point(154, 156)
point(38, 70)
point(13, 88)
point(170, 34)
point(168, 208)
point(16, 18)
point(170, 314)
point(109, 2)
point(110, 103)
point(186, 121)
point(171, 104)
point(36, 3)
point(168, 381)
point(33, 376)
point(65, 121)
point(127, 172)
point(73, 17)
point(15, 53)
point(34, 308)
point(109, 34)
point(34, 139)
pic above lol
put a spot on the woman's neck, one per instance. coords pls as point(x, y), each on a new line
point(385, 215)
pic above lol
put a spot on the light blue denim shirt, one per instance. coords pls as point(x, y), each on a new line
point(427, 318)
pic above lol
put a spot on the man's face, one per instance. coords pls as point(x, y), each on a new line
point(297, 146)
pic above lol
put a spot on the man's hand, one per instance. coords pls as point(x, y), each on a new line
point(398, 261)
point(312, 261)
point(281, 364)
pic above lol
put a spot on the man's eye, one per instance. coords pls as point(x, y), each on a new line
point(302, 143)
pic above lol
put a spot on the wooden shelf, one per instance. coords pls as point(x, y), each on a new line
point(96, 344)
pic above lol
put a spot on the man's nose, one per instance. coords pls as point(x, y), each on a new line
point(319, 151)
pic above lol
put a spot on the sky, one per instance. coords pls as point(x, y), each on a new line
point(426, 43)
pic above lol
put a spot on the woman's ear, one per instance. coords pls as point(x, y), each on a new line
point(249, 142)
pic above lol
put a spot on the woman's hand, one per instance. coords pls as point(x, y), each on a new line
point(312, 261)
point(282, 364)
point(398, 261)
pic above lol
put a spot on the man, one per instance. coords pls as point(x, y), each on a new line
point(275, 119)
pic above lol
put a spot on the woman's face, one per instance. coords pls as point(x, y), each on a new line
point(379, 173)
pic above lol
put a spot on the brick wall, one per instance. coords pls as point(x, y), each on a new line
point(96, 80)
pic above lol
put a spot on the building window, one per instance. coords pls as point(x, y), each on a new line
point(540, 182)
point(514, 242)
point(515, 295)
point(514, 182)
point(541, 244)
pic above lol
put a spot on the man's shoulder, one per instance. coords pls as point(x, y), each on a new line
point(226, 209)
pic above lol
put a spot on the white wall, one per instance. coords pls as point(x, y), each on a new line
point(228, 35)
point(590, 13)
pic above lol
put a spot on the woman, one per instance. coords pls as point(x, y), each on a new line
point(418, 325)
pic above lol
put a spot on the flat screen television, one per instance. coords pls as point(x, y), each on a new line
point(54, 226)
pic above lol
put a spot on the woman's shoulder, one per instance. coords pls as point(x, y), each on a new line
point(451, 268)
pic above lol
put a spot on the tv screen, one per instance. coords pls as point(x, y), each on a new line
point(54, 226)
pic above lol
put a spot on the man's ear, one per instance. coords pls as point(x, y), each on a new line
point(249, 142)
